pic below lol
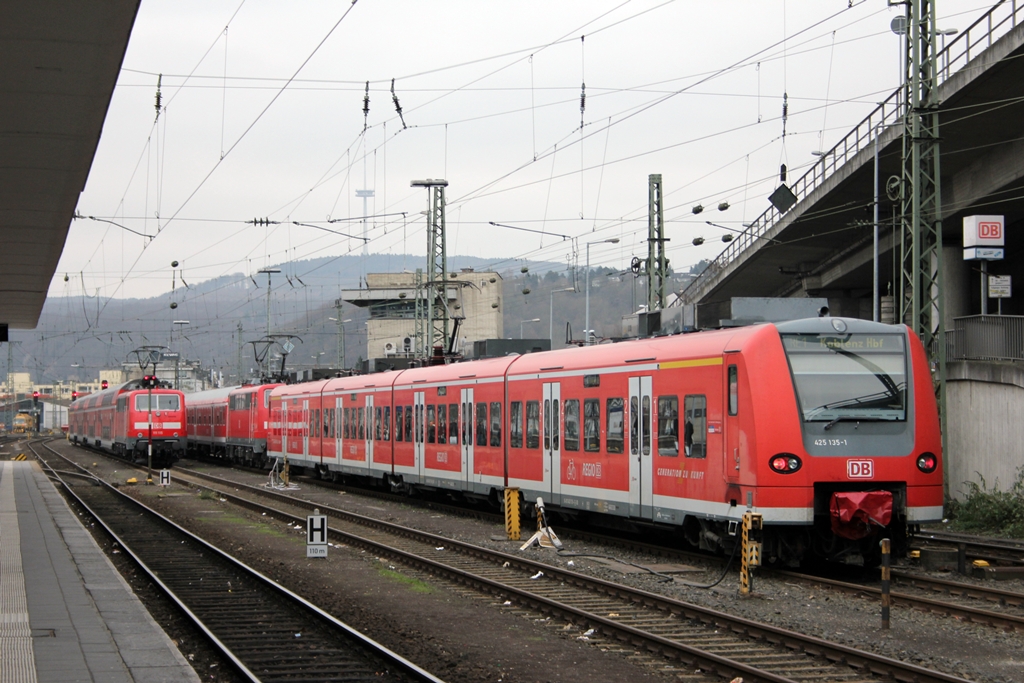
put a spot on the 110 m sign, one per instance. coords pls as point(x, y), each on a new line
point(316, 535)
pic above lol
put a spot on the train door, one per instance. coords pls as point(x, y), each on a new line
point(305, 428)
point(369, 430)
point(641, 468)
point(731, 455)
point(418, 402)
point(467, 432)
point(552, 443)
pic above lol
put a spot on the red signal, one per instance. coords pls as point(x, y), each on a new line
point(104, 384)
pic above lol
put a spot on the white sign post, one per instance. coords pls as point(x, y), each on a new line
point(999, 287)
point(316, 535)
point(165, 477)
point(984, 237)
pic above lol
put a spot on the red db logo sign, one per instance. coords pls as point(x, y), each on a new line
point(990, 230)
point(860, 469)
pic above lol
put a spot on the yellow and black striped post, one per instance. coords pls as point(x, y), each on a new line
point(886, 599)
point(750, 550)
point(512, 521)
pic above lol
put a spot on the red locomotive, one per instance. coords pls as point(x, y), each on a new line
point(230, 423)
point(118, 420)
point(828, 427)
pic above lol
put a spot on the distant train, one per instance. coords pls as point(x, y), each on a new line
point(24, 422)
point(117, 420)
point(828, 427)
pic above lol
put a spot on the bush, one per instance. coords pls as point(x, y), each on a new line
point(991, 511)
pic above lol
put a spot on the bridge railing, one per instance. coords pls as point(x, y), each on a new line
point(979, 36)
point(986, 337)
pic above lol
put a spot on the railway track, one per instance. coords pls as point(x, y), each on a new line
point(268, 633)
point(993, 550)
point(1010, 622)
point(694, 637)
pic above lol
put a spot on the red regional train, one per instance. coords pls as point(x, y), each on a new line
point(117, 420)
point(230, 423)
point(828, 427)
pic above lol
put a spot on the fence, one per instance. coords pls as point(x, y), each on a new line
point(986, 337)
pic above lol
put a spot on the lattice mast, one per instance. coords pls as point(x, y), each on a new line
point(436, 287)
point(921, 295)
point(657, 264)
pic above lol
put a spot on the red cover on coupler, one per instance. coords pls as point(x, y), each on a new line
point(855, 512)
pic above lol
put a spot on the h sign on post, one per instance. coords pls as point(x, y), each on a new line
point(165, 477)
point(316, 535)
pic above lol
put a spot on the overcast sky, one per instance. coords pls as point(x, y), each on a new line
point(490, 95)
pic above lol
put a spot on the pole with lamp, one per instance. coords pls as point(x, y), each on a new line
point(177, 382)
point(341, 339)
point(523, 322)
point(586, 324)
point(551, 322)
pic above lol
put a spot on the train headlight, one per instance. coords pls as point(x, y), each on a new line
point(927, 462)
point(175, 435)
point(784, 463)
point(139, 435)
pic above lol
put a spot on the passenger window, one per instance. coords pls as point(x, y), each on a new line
point(734, 391)
point(386, 426)
point(408, 424)
point(645, 420)
point(515, 424)
point(496, 425)
point(533, 424)
point(668, 425)
point(453, 424)
point(547, 424)
point(592, 425)
point(554, 424)
point(572, 424)
point(398, 423)
point(616, 425)
point(362, 424)
point(442, 424)
point(467, 423)
point(378, 427)
point(431, 425)
point(634, 426)
point(695, 430)
point(481, 424)
point(419, 423)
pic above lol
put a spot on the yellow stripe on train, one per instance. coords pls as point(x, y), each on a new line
point(695, 363)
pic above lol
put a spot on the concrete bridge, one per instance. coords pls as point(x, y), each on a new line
point(823, 245)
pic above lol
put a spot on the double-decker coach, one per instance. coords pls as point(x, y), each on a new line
point(230, 423)
point(828, 427)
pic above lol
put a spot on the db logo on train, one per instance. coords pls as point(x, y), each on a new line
point(860, 469)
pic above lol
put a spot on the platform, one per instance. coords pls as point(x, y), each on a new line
point(65, 613)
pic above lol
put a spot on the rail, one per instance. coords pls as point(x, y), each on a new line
point(978, 37)
point(986, 337)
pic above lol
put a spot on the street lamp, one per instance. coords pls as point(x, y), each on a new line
point(945, 58)
point(551, 324)
point(586, 324)
point(179, 323)
point(341, 340)
point(316, 359)
point(523, 322)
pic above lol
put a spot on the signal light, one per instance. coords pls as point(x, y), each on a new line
point(784, 463)
point(104, 384)
point(74, 395)
point(35, 398)
point(927, 462)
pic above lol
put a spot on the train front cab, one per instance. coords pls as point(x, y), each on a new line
point(865, 459)
point(168, 435)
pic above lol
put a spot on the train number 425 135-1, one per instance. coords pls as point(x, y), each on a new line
point(830, 442)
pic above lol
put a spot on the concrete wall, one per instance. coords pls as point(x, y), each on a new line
point(985, 427)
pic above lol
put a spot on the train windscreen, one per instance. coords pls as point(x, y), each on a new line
point(160, 402)
point(848, 376)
